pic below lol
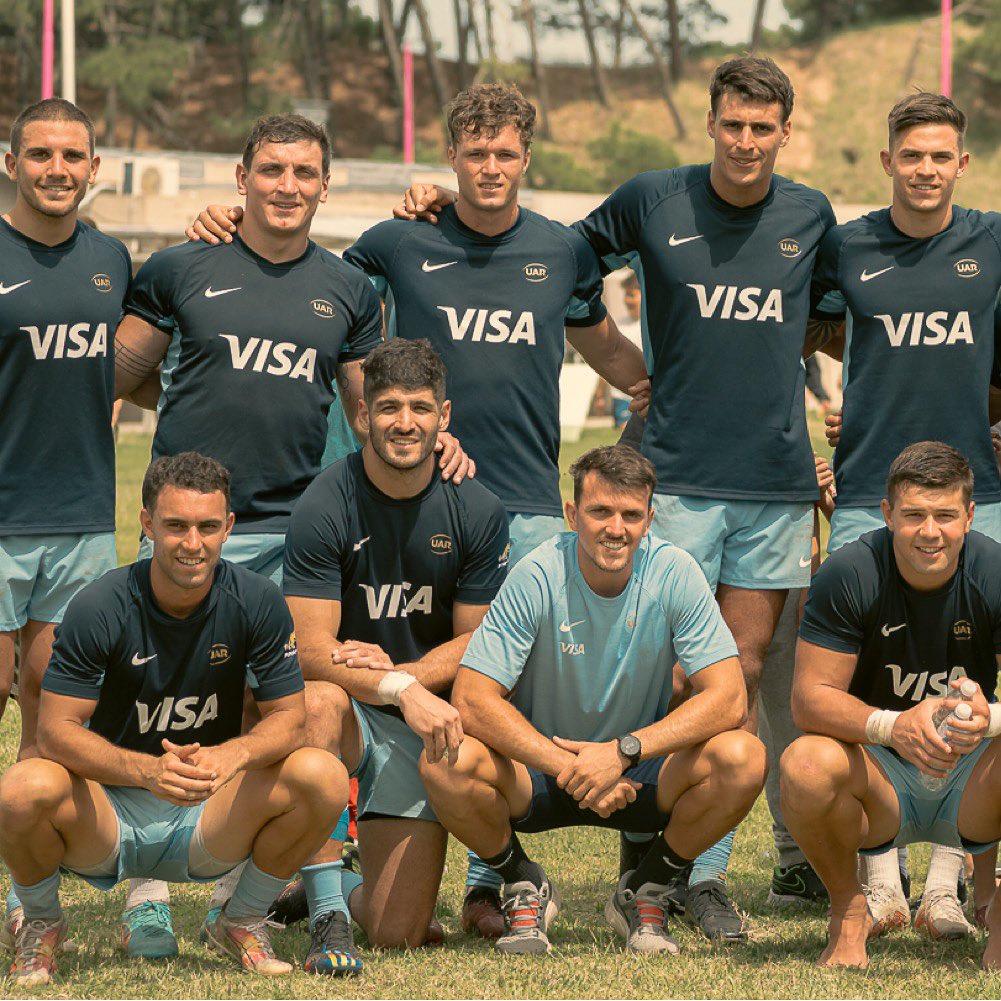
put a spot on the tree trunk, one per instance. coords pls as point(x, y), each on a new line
point(662, 68)
point(597, 72)
point(538, 69)
point(756, 24)
point(438, 84)
point(673, 23)
point(619, 25)
point(315, 69)
point(242, 50)
point(401, 25)
point(111, 34)
point(474, 29)
point(391, 43)
point(462, 44)
point(488, 16)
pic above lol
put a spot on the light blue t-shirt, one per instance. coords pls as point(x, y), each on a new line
point(590, 668)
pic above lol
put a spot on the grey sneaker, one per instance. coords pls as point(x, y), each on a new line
point(640, 917)
point(528, 912)
point(710, 909)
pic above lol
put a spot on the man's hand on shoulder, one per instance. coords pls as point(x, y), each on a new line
point(215, 224)
point(434, 720)
point(916, 739)
point(453, 461)
point(424, 201)
point(176, 777)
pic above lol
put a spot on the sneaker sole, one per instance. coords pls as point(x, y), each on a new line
point(621, 927)
point(780, 900)
point(891, 923)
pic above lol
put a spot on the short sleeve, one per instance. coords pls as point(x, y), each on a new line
point(834, 613)
point(485, 561)
point(313, 548)
point(698, 633)
point(503, 641)
point(152, 295)
point(373, 252)
point(81, 650)
point(996, 367)
point(272, 660)
point(827, 301)
point(613, 228)
point(366, 330)
point(586, 307)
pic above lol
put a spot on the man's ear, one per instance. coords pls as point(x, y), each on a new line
point(570, 511)
point(241, 179)
point(445, 417)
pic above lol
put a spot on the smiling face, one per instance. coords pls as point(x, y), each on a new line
point(54, 166)
point(747, 136)
point(403, 425)
point(925, 162)
point(284, 186)
point(489, 169)
point(929, 528)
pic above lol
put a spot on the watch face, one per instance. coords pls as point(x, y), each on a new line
point(629, 745)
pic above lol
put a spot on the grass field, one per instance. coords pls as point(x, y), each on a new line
point(587, 960)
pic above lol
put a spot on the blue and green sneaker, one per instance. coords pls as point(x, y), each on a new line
point(147, 931)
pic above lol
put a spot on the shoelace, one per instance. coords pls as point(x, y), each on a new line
point(335, 935)
point(259, 928)
point(523, 910)
point(714, 895)
point(880, 897)
point(31, 946)
point(946, 904)
point(151, 912)
point(650, 911)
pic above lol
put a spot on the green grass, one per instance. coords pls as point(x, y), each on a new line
point(587, 960)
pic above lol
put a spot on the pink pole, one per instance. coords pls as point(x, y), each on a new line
point(48, 47)
point(945, 73)
point(408, 104)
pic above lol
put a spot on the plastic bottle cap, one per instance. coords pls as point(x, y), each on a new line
point(963, 711)
point(968, 689)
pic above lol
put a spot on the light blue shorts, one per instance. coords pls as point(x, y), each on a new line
point(529, 531)
point(42, 573)
point(848, 523)
point(764, 545)
point(928, 815)
point(262, 552)
point(389, 782)
point(154, 840)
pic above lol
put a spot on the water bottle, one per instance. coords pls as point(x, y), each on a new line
point(964, 711)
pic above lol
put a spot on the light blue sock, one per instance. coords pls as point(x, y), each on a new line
point(254, 892)
point(350, 881)
point(40, 901)
point(712, 863)
point(13, 901)
point(322, 883)
point(480, 874)
point(340, 832)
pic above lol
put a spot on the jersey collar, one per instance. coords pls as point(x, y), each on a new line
point(450, 219)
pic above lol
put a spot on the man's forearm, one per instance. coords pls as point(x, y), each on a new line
point(831, 712)
point(695, 721)
point(502, 728)
point(90, 756)
point(147, 394)
point(614, 357)
point(272, 738)
point(361, 683)
point(437, 668)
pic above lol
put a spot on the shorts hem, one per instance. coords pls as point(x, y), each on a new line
point(767, 585)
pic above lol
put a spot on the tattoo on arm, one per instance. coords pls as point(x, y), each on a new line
point(134, 362)
point(819, 333)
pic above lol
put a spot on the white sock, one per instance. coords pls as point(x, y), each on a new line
point(225, 886)
point(142, 891)
point(944, 868)
point(882, 870)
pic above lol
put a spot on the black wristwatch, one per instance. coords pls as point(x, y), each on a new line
point(630, 748)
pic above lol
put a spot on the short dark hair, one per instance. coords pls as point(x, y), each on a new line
point(754, 78)
point(188, 471)
point(411, 365)
point(620, 465)
point(286, 129)
point(52, 109)
point(924, 108)
point(932, 465)
point(486, 108)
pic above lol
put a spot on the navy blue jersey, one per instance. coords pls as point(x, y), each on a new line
point(910, 644)
point(726, 299)
point(494, 307)
point(250, 373)
point(59, 307)
point(396, 566)
point(154, 676)
point(919, 344)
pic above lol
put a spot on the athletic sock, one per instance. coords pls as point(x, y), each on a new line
point(514, 866)
point(350, 881)
point(661, 866)
point(340, 832)
point(881, 870)
point(40, 901)
point(712, 863)
point(479, 874)
point(944, 868)
point(145, 891)
point(225, 886)
point(13, 901)
point(254, 892)
point(323, 885)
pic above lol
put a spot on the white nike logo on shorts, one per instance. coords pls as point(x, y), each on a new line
point(887, 628)
point(565, 626)
point(138, 661)
point(428, 266)
point(211, 293)
point(4, 289)
point(806, 562)
point(676, 241)
point(866, 276)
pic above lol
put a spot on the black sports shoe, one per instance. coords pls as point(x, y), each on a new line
point(331, 947)
point(710, 909)
point(630, 852)
point(290, 906)
point(796, 884)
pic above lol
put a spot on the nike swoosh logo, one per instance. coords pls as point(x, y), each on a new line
point(138, 661)
point(211, 293)
point(887, 629)
point(428, 266)
point(806, 562)
point(565, 626)
point(4, 289)
point(361, 542)
point(675, 241)
point(866, 276)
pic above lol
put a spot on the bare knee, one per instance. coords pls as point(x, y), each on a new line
point(813, 768)
point(738, 759)
point(31, 791)
point(326, 707)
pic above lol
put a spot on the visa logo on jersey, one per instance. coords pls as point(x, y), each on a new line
point(394, 601)
point(184, 714)
point(937, 327)
point(261, 354)
point(924, 684)
point(492, 325)
point(68, 340)
point(730, 302)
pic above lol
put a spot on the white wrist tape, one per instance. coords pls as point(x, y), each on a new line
point(879, 726)
point(392, 685)
point(994, 727)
